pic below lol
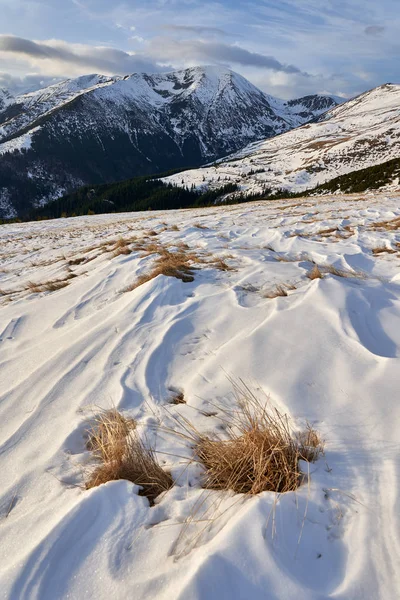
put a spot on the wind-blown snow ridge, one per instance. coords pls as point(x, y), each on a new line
point(362, 132)
point(328, 352)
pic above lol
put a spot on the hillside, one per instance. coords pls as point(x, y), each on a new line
point(357, 134)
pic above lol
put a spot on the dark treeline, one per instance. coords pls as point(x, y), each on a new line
point(150, 193)
point(370, 178)
point(138, 194)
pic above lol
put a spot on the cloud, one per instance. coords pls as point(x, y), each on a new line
point(198, 30)
point(205, 52)
point(23, 85)
point(374, 30)
point(56, 57)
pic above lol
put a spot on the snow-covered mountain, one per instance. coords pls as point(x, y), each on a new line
point(360, 133)
point(96, 129)
point(6, 98)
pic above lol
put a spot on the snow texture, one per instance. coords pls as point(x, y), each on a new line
point(328, 352)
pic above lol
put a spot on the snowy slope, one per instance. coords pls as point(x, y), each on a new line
point(98, 129)
point(22, 111)
point(360, 133)
point(5, 99)
point(328, 352)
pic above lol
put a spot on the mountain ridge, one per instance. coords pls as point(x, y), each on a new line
point(360, 133)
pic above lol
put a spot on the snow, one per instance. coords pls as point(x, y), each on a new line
point(23, 142)
point(329, 352)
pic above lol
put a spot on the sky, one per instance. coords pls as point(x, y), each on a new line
point(288, 48)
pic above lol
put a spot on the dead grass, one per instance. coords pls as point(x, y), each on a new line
point(200, 226)
point(383, 249)
point(122, 455)
point(76, 261)
point(47, 286)
point(121, 247)
point(175, 260)
point(171, 264)
point(261, 453)
point(220, 264)
point(315, 273)
point(109, 430)
point(278, 291)
point(177, 398)
point(390, 225)
point(326, 232)
point(342, 272)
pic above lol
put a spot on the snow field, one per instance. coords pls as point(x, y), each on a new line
point(327, 352)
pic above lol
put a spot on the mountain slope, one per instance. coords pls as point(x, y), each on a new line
point(360, 133)
point(98, 129)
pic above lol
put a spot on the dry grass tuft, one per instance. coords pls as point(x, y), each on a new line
point(114, 441)
point(280, 290)
point(220, 264)
point(177, 398)
point(341, 272)
point(47, 286)
point(390, 225)
point(311, 444)
point(277, 292)
point(315, 273)
point(200, 226)
point(326, 232)
point(108, 432)
point(260, 454)
point(76, 261)
point(171, 264)
point(382, 249)
point(121, 247)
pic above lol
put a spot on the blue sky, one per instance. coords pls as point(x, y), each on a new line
point(288, 48)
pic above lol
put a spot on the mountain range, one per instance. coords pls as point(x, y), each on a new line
point(98, 129)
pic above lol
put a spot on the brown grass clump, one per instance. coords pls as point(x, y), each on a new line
point(177, 398)
point(341, 272)
point(171, 264)
point(220, 264)
point(123, 455)
point(311, 444)
point(261, 452)
point(47, 286)
point(109, 430)
point(382, 249)
point(315, 273)
point(121, 247)
point(277, 292)
point(390, 225)
point(76, 261)
point(280, 290)
point(326, 232)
